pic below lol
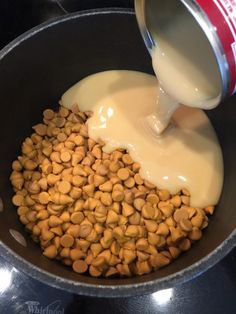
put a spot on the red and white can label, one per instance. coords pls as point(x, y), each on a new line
point(222, 15)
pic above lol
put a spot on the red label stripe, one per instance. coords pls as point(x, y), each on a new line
point(219, 17)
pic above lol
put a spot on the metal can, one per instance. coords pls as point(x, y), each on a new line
point(217, 19)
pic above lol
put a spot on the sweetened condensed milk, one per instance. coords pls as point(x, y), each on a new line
point(126, 115)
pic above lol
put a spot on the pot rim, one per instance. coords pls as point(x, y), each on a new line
point(98, 290)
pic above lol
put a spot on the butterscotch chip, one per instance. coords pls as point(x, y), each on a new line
point(191, 212)
point(55, 156)
point(50, 252)
point(94, 271)
point(67, 240)
point(65, 156)
point(106, 187)
point(148, 185)
point(116, 155)
point(106, 199)
point(118, 196)
point(185, 245)
point(46, 235)
point(112, 217)
point(75, 108)
point(80, 266)
point(129, 245)
point(79, 140)
point(185, 225)
point(118, 186)
point(127, 159)
point(129, 197)
point(61, 137)
point(151, 225)
point(55, 131)
point(197, 221)
point(142, 244)
point(44, 198)
point(96, 248)
point(167, 254)
point(102, 170)
point(142, 256)
point(65, 216)
point(30, 165)
point(56, 168)
point(176, 234)
point(57, 230)
point(138, 179)
point(65, 252)
point(139, 203)
point(123, 174)
point(64, 187)
point(78, 170)
point(75, 193)
point(185, 200)
point(129, 256)
point(195, 234)
point(89, 189)
point(124, 270)
point(97, 153)
point(127, 210)
point(48, 114)
point(22, 210)
point(67, 261)
point(114, 166)
point(152, 198)
point(112, 271)
point(180, 214)
point(73, 230)
point(135, 218)
point(129, 183)
point(209, 210)
point(99, 261)
point(148, 211)
point(77, 217)
point(31, 216)
point(42, 214)
point(132, 231)
point(153, 238)
point(64, 112)
point(174, 251)
point(139, 194)
point(60, 122)
point(123, 220)
point(159, 260)
point(78, 181)
point(40, 129)
point(164, 195)
point(176, 201)
point(85, 230)
point(54, 221)
point(18, 200)
point(61, 199)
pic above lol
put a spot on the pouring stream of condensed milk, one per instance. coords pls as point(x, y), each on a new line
point(184, 63)
point(186, 155)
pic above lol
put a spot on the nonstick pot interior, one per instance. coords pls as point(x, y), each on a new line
point(34, 72)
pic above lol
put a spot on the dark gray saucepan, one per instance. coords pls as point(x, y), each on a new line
point(35, 70)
